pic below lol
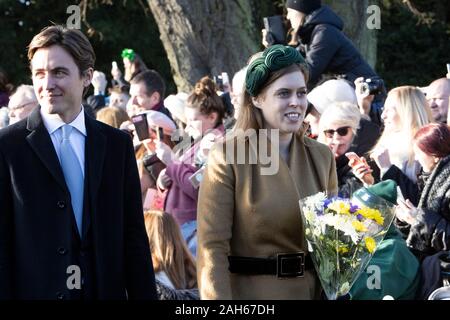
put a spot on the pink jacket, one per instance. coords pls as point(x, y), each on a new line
point(181, 199)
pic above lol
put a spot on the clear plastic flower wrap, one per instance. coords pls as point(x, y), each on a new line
point(343, 234)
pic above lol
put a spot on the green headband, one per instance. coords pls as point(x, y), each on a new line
point(273, 59)
point(129, 54)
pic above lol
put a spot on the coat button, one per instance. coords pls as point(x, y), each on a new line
point(60, 296)
point(61, 204)
point(62, 251)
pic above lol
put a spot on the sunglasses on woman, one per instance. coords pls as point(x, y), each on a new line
point(342, 131)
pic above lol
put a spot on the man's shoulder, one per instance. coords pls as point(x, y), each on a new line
point(110, 132)
point(14, 131)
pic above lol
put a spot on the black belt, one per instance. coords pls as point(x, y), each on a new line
point(284, 265)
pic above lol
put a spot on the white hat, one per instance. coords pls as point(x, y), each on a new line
point(442, 293)
point(331, 91)
point(176, 104)
point(159, 119)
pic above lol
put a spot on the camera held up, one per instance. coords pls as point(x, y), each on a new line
point(372, 86)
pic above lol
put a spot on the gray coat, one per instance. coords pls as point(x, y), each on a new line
point(432, 233)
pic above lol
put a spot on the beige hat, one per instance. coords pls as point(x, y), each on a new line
point(176, 104)
point(159, 119)
point(331, 91)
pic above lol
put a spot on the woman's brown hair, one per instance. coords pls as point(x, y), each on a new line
point(205, 98)
point(169, 250)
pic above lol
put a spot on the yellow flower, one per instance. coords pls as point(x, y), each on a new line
point(359, 226)
point(373, 214)
point(370, 244)
point(340, 207)
point(343, 249)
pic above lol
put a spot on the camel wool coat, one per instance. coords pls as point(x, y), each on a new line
point(242, 212)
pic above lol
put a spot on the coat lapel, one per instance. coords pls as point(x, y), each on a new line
point(95, 150)
point(41, 143)
point(303, 170)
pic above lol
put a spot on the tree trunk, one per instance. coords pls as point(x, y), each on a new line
point(354, 15)
point(205, 37)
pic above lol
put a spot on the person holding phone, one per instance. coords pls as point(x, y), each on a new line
point(147, 92)
point(398, 266)
point(429, 221)
point(151, 128)
point(204, 115)
point(406, 111)
point(338, 126)
point(133, 65)
point(317, 31)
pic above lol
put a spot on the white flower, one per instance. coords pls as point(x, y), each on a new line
point(314, 202)
point(309, 216)
point(342, 223)
point(345, 288)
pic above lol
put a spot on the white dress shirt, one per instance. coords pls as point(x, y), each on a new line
point(53, 123)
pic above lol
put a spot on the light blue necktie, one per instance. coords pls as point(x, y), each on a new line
point(72, 174)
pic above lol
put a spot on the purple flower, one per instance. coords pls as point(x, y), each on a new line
point(359, 217)
point(353, 208)
point(326, 203)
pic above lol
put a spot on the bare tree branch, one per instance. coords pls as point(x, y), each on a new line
point(423, 17)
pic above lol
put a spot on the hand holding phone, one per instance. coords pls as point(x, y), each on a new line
point(274, 26)
point(197, 177)
point(353, 158)
point(115, 71)
point(141, 126)
point(160, 134)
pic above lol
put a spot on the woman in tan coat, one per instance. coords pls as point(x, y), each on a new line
point(250, 234)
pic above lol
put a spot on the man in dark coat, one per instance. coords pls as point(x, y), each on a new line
point(69, 229)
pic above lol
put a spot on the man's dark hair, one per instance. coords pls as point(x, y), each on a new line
point(72, 40)
point(153, 82)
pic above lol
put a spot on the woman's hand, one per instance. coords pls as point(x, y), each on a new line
point(406, 212)
point(115, 72)
point(364, 100)
point(149, 145)
point(163, 182)
point(164, 153)
point(362, 171)
point(99, 82)
point(382, 158)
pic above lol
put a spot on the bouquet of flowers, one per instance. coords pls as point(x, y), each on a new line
point(343, 234)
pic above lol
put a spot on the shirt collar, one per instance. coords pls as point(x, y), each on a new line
point(53, 122)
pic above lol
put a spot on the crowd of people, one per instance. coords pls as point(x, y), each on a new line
point(149, 202)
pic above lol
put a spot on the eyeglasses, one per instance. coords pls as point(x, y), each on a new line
point(342, 131)
point(15, 108)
